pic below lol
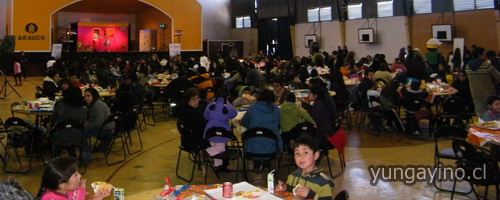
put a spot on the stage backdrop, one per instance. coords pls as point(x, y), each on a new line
point(102, 37)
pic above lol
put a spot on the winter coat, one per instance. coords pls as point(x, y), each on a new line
point(482, 78)
point(291, 115)
point(217, 118)
point(266, 115)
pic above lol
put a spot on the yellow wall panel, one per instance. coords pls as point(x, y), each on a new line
point(186, 15)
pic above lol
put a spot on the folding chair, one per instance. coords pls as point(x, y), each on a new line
point(129, 124)
point(114, 117)
point(342, 195)
point(335, 127)
point(411, 108)
point(20, 134)
point(474, 158)
point(232, 152)
point(75, 129)
point(446, 133)
point(192, 149)
point(263, 133)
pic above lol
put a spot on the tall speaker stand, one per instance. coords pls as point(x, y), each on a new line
point(4, 88)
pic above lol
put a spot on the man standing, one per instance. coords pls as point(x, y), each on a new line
point(482, 79)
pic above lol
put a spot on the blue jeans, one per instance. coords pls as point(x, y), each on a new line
point(94, 132)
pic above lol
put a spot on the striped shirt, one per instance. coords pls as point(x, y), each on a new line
point(320, 185)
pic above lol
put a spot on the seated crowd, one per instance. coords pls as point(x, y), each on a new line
point(209, 94)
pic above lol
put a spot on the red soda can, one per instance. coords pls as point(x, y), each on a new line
point(227, 190)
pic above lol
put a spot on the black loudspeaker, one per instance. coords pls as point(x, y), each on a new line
point(8, 45)
point(73, 46)
point(314, 47)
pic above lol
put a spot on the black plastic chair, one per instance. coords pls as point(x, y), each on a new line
point(129, 124)
point(473, 158)
point(3, 132)
point(20, 134)
point(12, 105)
point(337, 124)
point(232, 152)
point(447, 133)
point(342, 195)
point(452, 108)
point(411, 107)
point(298, 130)
point(115, 117)
point(75, 127)
point(39, 92)
point(259, 132)
point(151, 108)
point(362, 109)
point(375, 115)
point(193, 150)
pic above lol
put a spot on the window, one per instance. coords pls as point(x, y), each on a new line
point(485, 4)
point(243, 22)
point(319, 14)
point(313, 15)
point(384, 9)
point(325, 14)
point(354, 11)
point(459, 5)
point(422, 6)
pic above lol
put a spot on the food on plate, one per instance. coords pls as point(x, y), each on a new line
point(101, 186)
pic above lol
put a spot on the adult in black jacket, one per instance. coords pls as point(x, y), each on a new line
point(416, 68)
point(175, 88)
point(50, 86)
point(193, 119)
point(463, 88)
point(124, 99)
point(103, 74)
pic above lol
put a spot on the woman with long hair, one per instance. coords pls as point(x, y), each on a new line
point(389, 98)
point(457, 60)
point(323, 111)
point(98, 112)
point(191, 117)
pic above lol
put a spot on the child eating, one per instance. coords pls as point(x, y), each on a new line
point(307, 181)
point(61, 181)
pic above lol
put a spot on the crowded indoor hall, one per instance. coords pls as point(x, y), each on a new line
point(249, 99)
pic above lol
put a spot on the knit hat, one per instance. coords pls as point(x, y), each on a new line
point(433, 43)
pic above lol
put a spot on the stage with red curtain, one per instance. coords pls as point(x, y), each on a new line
point(103, 37)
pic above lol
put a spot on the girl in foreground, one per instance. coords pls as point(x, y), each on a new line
point(61, 181)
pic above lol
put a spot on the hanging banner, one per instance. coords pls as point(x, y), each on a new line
point(174, 49)
point(56, 51)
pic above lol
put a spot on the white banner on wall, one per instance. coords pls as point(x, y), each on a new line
point(56, 51)
point(174, 49)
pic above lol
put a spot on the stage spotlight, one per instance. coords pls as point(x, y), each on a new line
point(162, 25)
